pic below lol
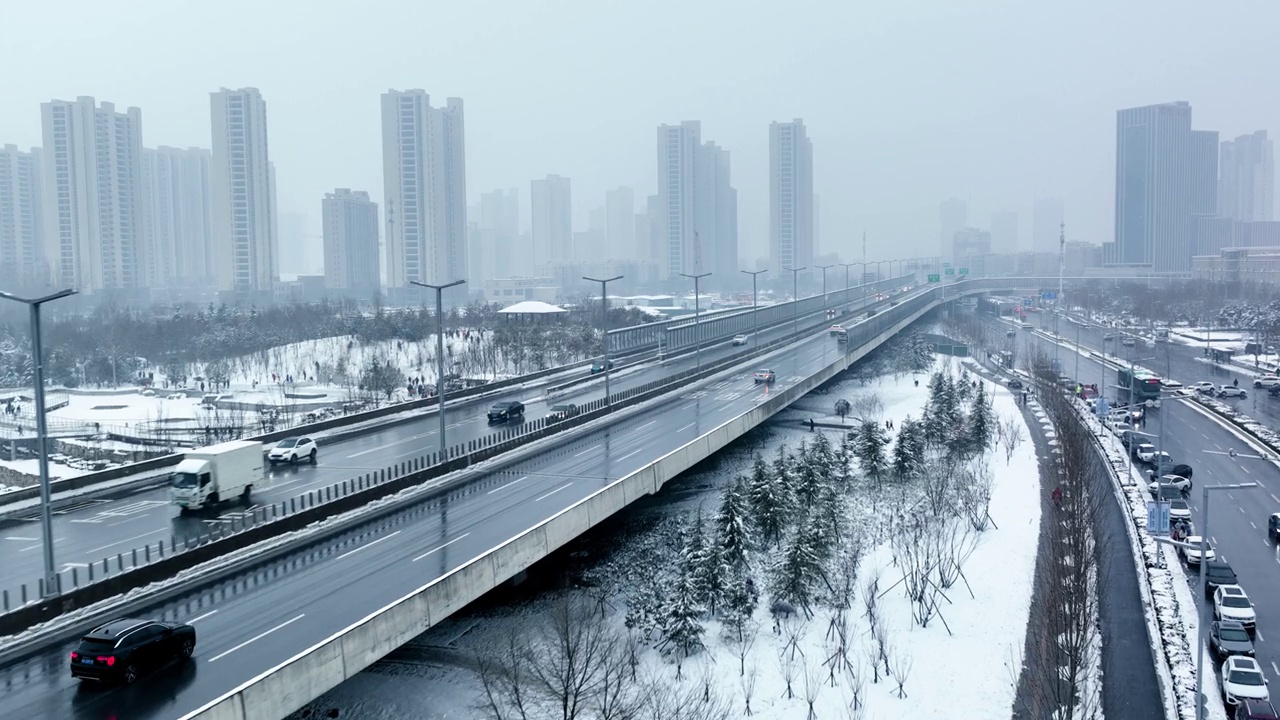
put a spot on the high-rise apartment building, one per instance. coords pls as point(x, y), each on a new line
point(93, 215)
point(21, 218)
point(178, 225)
point(1046, 222)
point(425, 178)
point(243, 188)
point(953, 216)
point(790, 198)
point(1246, 178)
point(1204, 172)
point(1155, 177)
point(968, 244)
point(1004, 232)
point(620, 224)
point(697, 215)
point(350, 242)
point(495, 247)
point(552, 206)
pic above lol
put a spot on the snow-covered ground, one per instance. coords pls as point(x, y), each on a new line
point(964, 663)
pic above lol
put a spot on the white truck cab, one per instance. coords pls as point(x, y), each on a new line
point(210, 475)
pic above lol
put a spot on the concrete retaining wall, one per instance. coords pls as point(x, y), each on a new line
point(286, 688)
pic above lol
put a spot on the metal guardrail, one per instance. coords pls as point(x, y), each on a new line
point(142, 565)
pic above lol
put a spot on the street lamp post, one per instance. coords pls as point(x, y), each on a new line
point(795, 296)
point(846, 279)
point(440, 383)
point(604, 322)
point(755, 307)
point(824, 269)
point(697, 329)
point(42, 440)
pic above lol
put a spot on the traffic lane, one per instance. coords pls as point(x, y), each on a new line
point(52, 688)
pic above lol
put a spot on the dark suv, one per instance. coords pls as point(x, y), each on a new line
point(504, 411)
point(561, 412)
point(121, 650)
point(1255, 710)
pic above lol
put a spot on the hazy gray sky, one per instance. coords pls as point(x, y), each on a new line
point(907, 101)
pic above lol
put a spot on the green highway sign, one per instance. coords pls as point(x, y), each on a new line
point(935, 278)
point(964, 271)
point(951, 271)
point(946, 264)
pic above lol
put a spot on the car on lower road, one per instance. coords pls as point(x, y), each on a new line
point(1231, 602)
point(1255, 710)
point(599, 366)
point(293, 449)
point(563, 411)
point(506, 410)
point(1182, 484)
point(1242, 679)
point(1179, 509)
point(765, 376)
point(1266, 381)
point(1232, 391)
point(123, 650)
point(1128, 341)
point(1145, 452)
point(1191, 551)
point(1206, 387)
point(1228, 638)
point(1216, 574)
point(1170, 384)
point(1015, 384)
point(1273, 526)
point(741, 339)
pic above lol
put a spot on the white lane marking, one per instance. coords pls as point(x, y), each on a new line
point(646, 424)
point(432, 550)
point(121, 522)
point(1255, 527)
point(504, 487)
point(584, 452)
point(40, 544)
point(198, 618)
point(1258, 634)
point(74, 565)
point(257, 637)
point(367, 545)
point(633, 452)
point(553, 492)
point(391, 444)
point(19, 537)
point(1273, 497)
point(121, 542)
point(686, 427)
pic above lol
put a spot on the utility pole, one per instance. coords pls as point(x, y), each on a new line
point(440, 383)
point(824, 269)
point(846, 279)
point(795, 297)
point(42, 433)
point(755, 307)
point(697, 329)
point(604, 323)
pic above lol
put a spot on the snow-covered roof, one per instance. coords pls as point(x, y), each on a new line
point(532, 307)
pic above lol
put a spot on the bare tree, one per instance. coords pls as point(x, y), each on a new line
point(868, 407)
point(504, 680)
point(812, 685)
point(744, 638)
point(748, 682)
point(902, 663)
point(1011, 435)
point(566, 664)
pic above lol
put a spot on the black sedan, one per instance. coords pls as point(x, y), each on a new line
point(1218, 572)
point(1229, 638)
point(599, 366)
point(122, 650)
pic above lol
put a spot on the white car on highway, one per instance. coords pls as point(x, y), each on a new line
point(1204, 386)
point(291, 450)
point(1230, 602)
point(1170, 384)
point(741, 339)
point(1242, 679)
point(1191, 551)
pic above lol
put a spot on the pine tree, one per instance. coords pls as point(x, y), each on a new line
point(844, 455)
point(699, 561)
point(981, 422)
point(870, 449)
point(683, 626)
point(808, 472)
point(942, 414)
point(908, 451)
point(797, 572)
point(769, 504)
point(733, 538)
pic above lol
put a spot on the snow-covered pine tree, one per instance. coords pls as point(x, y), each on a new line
point(809, 477)
point(797, 571)
point(769, 501)
point(870, 449)
point(700, 561)
point(842, 474)
point(683, 611)
point(739, 604)
point(981, 422)
point(733, 535)
point(908, 451)
point(942, 415)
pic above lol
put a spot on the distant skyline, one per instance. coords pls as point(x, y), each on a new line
point(1042, 124)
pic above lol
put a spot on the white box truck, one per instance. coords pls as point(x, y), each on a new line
point(219, 472)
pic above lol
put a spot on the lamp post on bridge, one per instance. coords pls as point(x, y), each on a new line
point(697, 329)
point(755, 307)
point(440, 383)
point(824, 269)
point(42, 435)
point(795, 296)
point(604, 323)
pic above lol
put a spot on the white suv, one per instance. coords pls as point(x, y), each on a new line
point(291, 450)
point(1231, 603)
point(740, 339)
point(1206, 387)
point(1242, 679)
point(1267, 381)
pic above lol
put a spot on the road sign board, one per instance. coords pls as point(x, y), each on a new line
point(946, 264)
point(964, 271)
point(950, 271)
point(1158, 517)
point(935, 278)
point(1048, 295)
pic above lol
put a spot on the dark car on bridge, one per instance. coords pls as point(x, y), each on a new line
point(122, 650)
point(507, 410)
point(600, 365)
point(1228, 638)
point(561, 412)
point(1218, 572)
